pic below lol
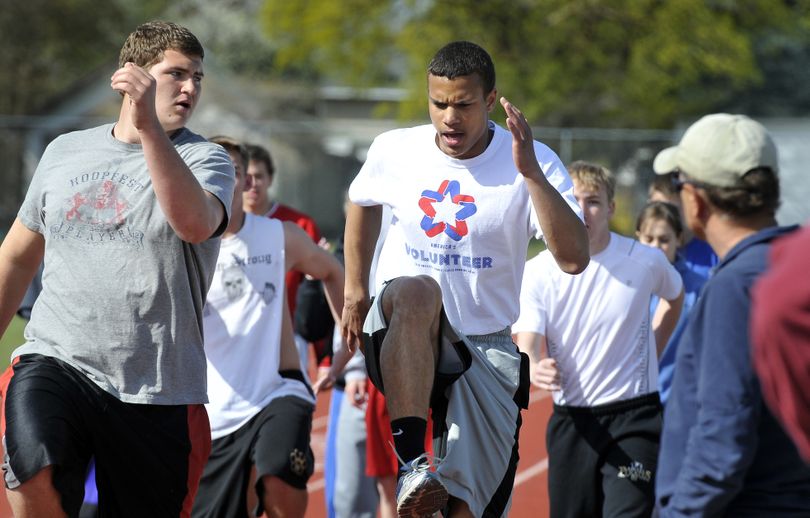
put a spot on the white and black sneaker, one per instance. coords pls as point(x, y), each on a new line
point(419, 492)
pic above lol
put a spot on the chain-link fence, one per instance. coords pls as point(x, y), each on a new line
point(316, 161)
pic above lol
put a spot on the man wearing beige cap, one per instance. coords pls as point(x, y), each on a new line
point(722, 451)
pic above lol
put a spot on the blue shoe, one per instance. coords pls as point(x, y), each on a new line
point(419, 491)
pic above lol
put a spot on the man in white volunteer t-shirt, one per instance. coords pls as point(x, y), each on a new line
point(591, 342)
point(466, 195)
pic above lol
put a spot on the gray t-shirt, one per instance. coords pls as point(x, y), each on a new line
point(122, 295)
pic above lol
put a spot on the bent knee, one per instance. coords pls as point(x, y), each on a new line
point(42, 481)
point(282, 500)
point(419, 294)
point(276, 486)
point(37, 495)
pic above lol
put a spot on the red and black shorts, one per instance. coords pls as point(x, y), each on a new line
point(149, 458)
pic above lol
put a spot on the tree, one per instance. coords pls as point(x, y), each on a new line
point(565, 62)
point(50, 44)
point(50, 47)
point(783, 55)
point(229, 31)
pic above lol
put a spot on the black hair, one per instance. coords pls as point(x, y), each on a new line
point(757, 192)
point(231, 144)
point(464, 58)
point(259, 154)
point(663, 184)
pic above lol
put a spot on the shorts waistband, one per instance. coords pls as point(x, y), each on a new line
point(497, 336)
point(610, 408)
point(296, 374)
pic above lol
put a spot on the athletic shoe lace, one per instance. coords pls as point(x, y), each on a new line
point(424, 462)
point(419, 492)
point(417, 464)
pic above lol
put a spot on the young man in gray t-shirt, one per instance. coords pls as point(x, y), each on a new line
point(124, 216)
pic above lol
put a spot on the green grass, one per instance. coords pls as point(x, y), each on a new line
point(535, 247)
point(12, 338)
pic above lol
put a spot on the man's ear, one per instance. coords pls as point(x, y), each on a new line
point(701, 204)
point(698, 206)
point(491, 98)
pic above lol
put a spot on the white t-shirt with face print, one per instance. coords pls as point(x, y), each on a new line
point(242, 319)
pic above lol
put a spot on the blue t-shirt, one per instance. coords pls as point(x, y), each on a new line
point(699, 257)
point(693, 281)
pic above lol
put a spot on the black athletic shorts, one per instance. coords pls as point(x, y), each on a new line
point(276, 441)
point(148, 457)
point(602, 460)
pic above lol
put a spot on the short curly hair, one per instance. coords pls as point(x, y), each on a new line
point(464, 58)
point(147, 43)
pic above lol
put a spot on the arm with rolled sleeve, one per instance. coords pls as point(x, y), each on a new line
point(721, 445)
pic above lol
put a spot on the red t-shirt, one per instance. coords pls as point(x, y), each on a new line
point(780, 331)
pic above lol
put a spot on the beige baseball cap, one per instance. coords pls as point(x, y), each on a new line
point(719, 149)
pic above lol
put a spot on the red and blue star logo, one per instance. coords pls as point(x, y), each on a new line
point(449, 191)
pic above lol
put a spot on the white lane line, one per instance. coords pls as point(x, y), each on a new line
point(538, 395)
point(316, 485)
point(541, 466)
point(320, 422)
point(531, 472)
point(520, 478)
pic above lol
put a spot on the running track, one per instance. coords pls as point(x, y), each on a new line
point(530, 498)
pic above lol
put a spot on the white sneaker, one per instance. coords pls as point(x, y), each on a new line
point(419, 492)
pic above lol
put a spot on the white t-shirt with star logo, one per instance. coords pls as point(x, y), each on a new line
point(466, 223)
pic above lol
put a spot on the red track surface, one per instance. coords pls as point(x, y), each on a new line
point(530, 498)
